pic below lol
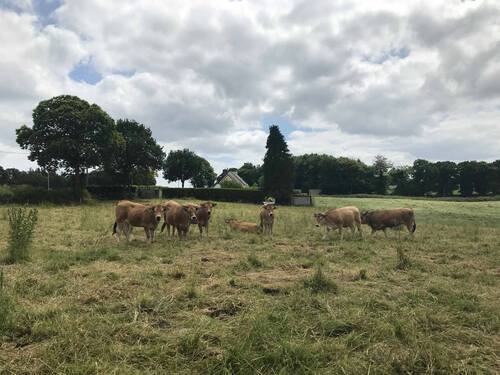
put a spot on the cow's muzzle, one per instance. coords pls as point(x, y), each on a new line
point(158, 218)
point(316, 225)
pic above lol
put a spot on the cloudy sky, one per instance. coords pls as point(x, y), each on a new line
point(406, 79)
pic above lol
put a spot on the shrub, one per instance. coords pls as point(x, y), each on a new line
point(230, 185)
point(320, 283)
point(22, 223)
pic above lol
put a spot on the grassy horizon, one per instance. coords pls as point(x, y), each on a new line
point(242, 303)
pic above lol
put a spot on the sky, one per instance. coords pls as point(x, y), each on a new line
point(405, 79)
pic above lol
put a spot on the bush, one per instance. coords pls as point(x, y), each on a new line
point(230, 185)
point(22, 223)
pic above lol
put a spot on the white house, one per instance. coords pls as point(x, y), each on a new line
point(232, 176)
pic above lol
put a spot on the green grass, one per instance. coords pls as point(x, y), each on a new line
point(247, 304)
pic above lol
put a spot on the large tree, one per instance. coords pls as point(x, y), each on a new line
point(446, 177)
point(71, 134)
point(140, 157)
point(205, 175)
point(181, 165)
point(250, 173)
point(278, 167)
point(381, 166)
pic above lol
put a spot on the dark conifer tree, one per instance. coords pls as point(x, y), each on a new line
point(278, 167)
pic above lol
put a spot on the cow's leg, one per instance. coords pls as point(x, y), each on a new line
point(341, 233)
point(200, 227)
point(128, 229)
point(359, 230)
point(146, 230)
point(373, 231)
point(353, 230)
point(118, 231)
point(385, 232)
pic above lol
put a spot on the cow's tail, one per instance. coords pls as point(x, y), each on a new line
point(114, 228)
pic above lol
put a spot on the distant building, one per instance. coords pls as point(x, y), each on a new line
point(230, 175)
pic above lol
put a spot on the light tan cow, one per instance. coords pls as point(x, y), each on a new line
point(339, 218)
point(383, 219)
point(178, 216)
point(130, 214)
point(267, 218)
point(203, 215)
point(243, 226)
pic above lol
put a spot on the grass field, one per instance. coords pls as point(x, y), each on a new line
point(240, 303)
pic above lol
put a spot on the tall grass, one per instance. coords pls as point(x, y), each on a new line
point(5, 307)
point(22, 222)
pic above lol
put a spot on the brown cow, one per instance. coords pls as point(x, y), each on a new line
point(130, 214)
point(267, 218)
point(338, 218)
point(203, 215)
point(243, 226)
point(383, 219)
point(179, 217)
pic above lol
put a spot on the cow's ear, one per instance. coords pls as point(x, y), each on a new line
point(214, 204)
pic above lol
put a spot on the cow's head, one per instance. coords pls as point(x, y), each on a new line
point(364, 217)
point(269, 209)
point(207, 206)
point(157, 211)
point(320, 218)
point(190, 209)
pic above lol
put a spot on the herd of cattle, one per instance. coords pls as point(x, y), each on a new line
point(179, 217)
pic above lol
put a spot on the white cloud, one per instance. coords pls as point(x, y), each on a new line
point(354, 78)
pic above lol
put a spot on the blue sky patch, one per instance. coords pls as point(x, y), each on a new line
point(44, 10)
point(398, 53)
point(85, 72)
point(284, 124)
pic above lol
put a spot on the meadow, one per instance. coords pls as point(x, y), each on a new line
point(247, 304)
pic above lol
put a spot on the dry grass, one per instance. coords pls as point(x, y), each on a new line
point(242, 303)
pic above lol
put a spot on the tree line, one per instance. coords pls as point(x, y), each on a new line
point(78, 143)
point(341, 175)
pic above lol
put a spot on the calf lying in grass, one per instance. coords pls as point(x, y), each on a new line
point(243, 226)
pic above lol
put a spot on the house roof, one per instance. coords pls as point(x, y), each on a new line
point(233, 175)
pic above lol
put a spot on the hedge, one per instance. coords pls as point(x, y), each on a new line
point(33, 195)
point(224, 195)
point(151, 192)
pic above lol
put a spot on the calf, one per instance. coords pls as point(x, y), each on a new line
point(203, 215)
point(130, 214)
point(179, 217)
point(383, 219)
point(338, 218)
point(243, 226)
point(267, 218)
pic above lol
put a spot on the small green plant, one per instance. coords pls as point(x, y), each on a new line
point(403, 262)
point(319, 283)
point(22, 221)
